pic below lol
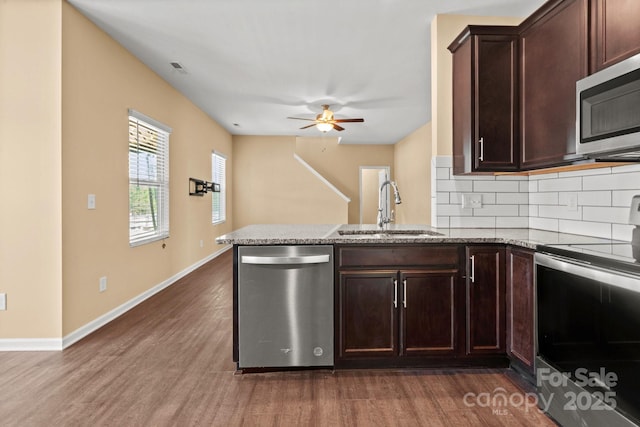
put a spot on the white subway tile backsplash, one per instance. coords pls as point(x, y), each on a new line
point(594, 198)
point(472, 222)
point(543, 198)
point(596, 229)
point(443, 173)
point(457, 186)
point(454, 210)
point(443, 222)
point(543, 201)
point(543, 176)
point(497, 186)
point(626, 168)
point(622, 231)
point(442, 197)
point(512, 222)
point(605, 214)
point(561, 184)
point(497, 210)
point(560, 212)
point(618, 181)
point(524, 186)
point(543, 223)
point(623, 197)
point(585, 172)
point(512, 198)
point(444, 161)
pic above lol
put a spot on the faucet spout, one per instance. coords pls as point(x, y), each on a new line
point(381, 219)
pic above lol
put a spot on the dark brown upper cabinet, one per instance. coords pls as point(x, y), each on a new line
point(615, 33)
point(485, 91)
point(553, 46)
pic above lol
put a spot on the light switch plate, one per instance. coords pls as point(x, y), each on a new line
point(471, 200)
point(91, 201)
point(3, 301)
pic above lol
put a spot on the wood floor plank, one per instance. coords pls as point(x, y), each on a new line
point(167, 362)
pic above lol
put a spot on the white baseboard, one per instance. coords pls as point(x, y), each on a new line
point(30, 344)
point(57, 344)
point(90, 327)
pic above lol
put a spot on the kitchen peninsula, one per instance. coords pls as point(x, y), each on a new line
point(406, 296)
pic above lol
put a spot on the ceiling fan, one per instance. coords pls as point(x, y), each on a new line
point(325, 121)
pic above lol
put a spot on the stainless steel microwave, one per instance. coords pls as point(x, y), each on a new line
point(608, 113)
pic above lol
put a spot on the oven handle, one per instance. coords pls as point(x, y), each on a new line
point(603, 275)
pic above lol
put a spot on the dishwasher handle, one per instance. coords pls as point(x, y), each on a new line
point(285, 260)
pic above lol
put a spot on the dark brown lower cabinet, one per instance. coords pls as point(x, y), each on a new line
point(411, 306)
point(485, 285)
point(395, 313)
point(520, 308)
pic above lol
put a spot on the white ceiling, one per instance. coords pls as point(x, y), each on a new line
point(252, 63)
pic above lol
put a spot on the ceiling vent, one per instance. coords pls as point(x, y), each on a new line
point(178, 67)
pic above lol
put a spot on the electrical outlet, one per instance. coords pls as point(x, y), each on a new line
point(3, 301)
point(471, 200)
point(201, 243)
point(103, 283)
point(91, 201)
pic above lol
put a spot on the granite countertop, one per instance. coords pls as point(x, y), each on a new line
point(313, 234)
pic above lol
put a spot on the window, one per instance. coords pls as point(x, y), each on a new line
point(148, 179)
point(218, 175)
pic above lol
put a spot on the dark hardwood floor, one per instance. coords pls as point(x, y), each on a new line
point(167, 362)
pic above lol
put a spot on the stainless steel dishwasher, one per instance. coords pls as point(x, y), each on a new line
point(285, 306)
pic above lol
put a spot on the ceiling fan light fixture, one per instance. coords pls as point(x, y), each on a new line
point(324, 127)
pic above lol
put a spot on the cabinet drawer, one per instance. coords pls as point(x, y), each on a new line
point(397, 256)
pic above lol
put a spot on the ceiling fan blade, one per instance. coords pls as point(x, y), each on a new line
point(349, 120)
point(308, 126)
point(338, 128)
point(300, 118)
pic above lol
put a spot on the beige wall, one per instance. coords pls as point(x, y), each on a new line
point(30, 168)
point(100, 81)
point(340, 164)
point(412, 163)
point(445, 28)
point(272, 187)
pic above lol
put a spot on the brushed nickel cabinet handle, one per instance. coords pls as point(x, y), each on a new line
point(481, 142)
point(404, 293)
point(472, 276)
point(395, 294)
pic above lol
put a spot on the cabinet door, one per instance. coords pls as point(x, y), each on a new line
point(368, 314)
point(428, 312)
point(615, 33)
point(520, 306)
point(495, 103)
point(553, 53)
point(485, 300)
point(484, 102)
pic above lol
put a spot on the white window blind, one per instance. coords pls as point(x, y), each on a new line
point(148, 179)
point(218, 175)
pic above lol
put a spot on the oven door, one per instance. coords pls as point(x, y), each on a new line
point(588, 342)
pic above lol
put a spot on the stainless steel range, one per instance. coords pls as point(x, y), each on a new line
point(588, 333)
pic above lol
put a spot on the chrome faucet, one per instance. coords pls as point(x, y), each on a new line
point(382, 220)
